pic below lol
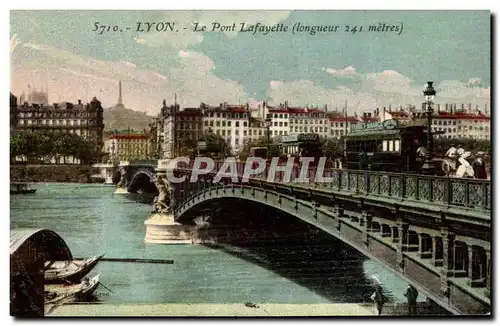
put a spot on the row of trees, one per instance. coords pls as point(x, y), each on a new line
point(43, 147)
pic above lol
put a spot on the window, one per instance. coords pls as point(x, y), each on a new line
point(391, 145)
point(237, 123)
point(384, 146)
point(396, 145)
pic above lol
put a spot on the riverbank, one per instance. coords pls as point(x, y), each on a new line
point(52, 173)
point(233, 310)
point(210, 310)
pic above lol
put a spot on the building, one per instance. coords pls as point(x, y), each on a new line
point(341, 125)
point(156, 137)
point(451, 123)
point(232, 123)
point(462, 125)
point(85, 120)
point(35, 97)
point(288, 120)
point(128, 146)
point(176, 128)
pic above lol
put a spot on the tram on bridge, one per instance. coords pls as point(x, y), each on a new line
point(302, 145)
point(385, 146)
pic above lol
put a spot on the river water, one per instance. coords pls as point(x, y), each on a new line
point(93, 220)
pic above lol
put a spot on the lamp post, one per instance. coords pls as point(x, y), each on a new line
point(428, 167)
point(268, 125)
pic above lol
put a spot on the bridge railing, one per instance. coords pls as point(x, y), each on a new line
point(461, 192)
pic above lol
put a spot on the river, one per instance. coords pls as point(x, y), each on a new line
point(93, 220)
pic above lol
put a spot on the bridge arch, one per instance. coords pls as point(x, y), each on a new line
point(143, 179)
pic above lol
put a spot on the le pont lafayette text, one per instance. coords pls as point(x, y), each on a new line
point(241, 27)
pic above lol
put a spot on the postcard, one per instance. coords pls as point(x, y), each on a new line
point(259, 163)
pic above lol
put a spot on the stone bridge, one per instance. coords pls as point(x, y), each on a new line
point(434, 232)
point(136, 176)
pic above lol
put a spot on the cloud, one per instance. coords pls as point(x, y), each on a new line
point(70, 77)
point(191, 76)
point(377, 89)
point(348, 71)
point(184, 35)
point(139, 40)
point(274, 84)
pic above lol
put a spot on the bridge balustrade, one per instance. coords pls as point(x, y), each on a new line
point(446, 191)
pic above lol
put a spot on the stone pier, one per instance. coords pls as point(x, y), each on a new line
point(161, 227)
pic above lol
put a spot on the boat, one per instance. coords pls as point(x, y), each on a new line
point(69, 271)
point(65, 293)
point(20, 189)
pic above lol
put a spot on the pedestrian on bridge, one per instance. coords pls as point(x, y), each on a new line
point(411, 295)
point(377, 296)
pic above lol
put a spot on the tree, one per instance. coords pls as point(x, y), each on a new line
point(246, 150)
point(18, 145)
point(332, 148)
point(216, 145)
point(188, 147)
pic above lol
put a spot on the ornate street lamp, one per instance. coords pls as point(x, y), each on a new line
point(268, 125)
point(429, 93)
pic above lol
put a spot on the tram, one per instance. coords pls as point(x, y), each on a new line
point(385, 146)
point(302, 145)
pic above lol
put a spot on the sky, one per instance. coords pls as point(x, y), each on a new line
point(59, 50)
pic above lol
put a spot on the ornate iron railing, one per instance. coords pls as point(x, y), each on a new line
point(446, 191)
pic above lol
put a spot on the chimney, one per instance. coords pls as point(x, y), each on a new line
point(423, 106)
point(439, 108)
point(286, 104)
point(326, 108)
point(79, 102)
point(463, 107)
point(446, 107)
point(470, 107)
point(390, 108)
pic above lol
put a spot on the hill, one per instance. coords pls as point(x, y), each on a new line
point(121, 118)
